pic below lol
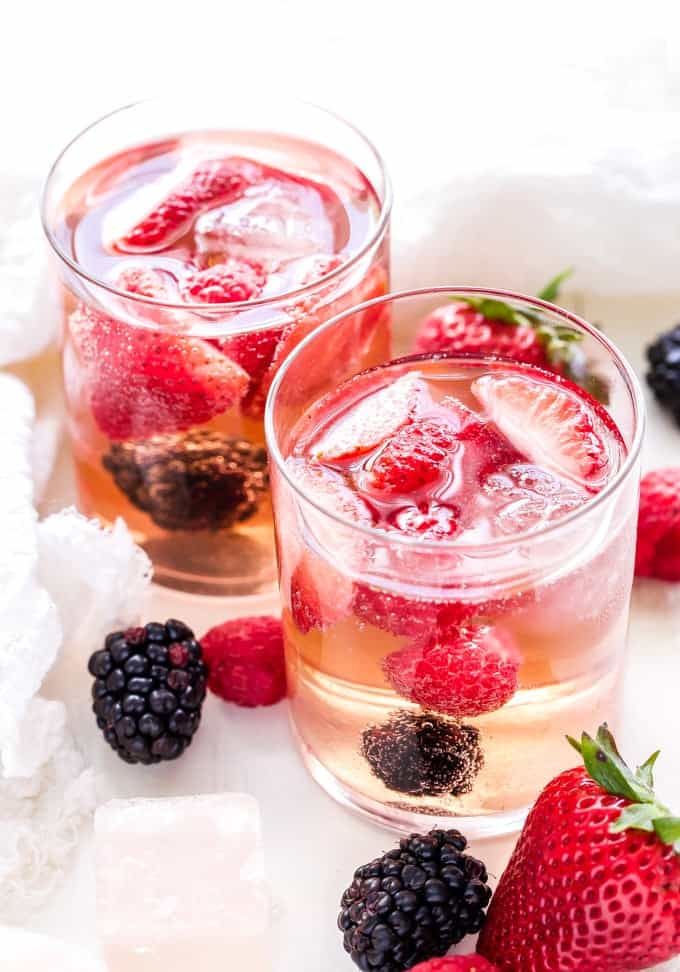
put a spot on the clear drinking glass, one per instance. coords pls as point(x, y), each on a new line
point(165, 390)
point(353, 595)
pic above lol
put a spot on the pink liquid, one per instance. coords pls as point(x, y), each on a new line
point(552, 606)
point(167, 456)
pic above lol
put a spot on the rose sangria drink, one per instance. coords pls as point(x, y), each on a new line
point(191, 265)
point(456, 537)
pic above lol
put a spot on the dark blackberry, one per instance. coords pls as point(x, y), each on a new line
point(199, 481)
point(423, 755)
point(413, 903)
point(663, 376)
point(148, 691)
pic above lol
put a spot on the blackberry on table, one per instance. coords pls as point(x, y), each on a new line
point(413, 903)
point(663, 376)
point(148, 691)
point(199, 481)
point(423, 755)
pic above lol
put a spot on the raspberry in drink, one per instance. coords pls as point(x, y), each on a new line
point(191, 266)
point(456, 539)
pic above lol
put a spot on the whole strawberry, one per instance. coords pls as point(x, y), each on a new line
point(481, 325)
point(658, 538)
point(594, 882)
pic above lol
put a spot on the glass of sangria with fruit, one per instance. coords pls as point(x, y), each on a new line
point(456, 533)
point(196, 246)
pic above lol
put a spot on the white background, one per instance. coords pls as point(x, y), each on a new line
point(430, 82)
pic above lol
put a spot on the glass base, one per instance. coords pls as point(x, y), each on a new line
point(233, 566)
point(408, 821)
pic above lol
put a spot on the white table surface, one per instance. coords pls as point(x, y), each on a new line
point(313, 845)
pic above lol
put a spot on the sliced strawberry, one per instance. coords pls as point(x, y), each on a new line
point(373, 420)
point(555, 425)
point(320, 596)
point(330, 491)
point(225, 283)
point(213, 182)
point(146, 382)
point(412, 458)
point(466, 672)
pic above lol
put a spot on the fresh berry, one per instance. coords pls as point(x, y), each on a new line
point(465, 672)
point(457, 963)
point(212, 183)
point(373, 420)
point(143, 282)
point(489, 326)
point(413, 903)
point(663, 376)
point(246, 661)
point(459, 328)
point(146, 382)
point(255, 352)
point(148, 691)
point(556, 425)
point(224, 283)
point(320, 596)
point(401, 615)
point(594, 881)
point(658, 539)
point(422, 755)
point(199, 481)
point(413, 458)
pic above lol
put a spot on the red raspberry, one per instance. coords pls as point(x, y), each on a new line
point(246, 661)
point(406, 616)
point(413, 458)
point(466, 672)
point(456, 963)
point(658, 539)
point(214, 182)
point(319, 595)
point(457, 327)
point(225, 283)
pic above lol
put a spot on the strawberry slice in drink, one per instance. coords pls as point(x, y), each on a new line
point(553, 423)
point(213, 182)
point(320, 594)
point(413, 458)
point(373, 420)
point(144, 382)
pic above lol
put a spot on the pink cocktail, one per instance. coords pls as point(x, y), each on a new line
point(456, 539)
point(197, 246)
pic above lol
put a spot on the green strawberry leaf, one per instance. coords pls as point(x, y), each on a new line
point(645, 773)
point(668, 830)
point(551, 291)
point(607, 768)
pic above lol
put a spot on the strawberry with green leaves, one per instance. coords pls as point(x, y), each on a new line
point(484, 325)
point(594, 882)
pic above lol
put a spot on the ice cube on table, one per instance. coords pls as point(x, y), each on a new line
point(180, 884)
point(275, 221)
point(23, 951)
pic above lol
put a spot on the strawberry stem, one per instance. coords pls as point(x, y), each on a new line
point(557, 339)
point(607, 768)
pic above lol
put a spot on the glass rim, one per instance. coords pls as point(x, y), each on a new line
point(224, 307)
point(415, 543)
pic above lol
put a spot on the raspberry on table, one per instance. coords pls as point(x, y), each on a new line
point(246, 661)
point(422, 755)
point(149, 687)
point(414, 903)
point(658, 536)
point(456, 963)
